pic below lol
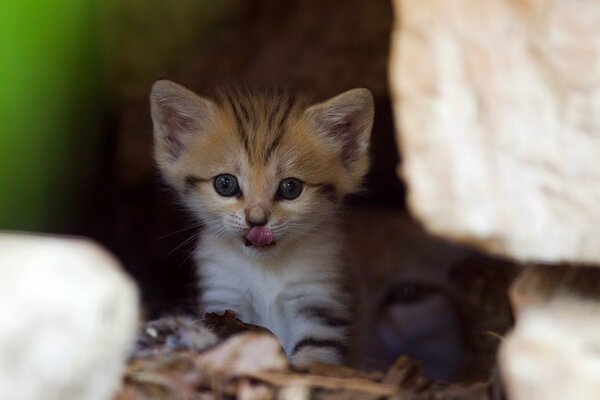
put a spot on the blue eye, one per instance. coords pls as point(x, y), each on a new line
point(226, 185)
point(290, 188)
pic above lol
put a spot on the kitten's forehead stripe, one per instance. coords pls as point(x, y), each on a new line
point(274, 113)
point(281, 126)
point(238, 121)
point(260, 118)
point(244, 107)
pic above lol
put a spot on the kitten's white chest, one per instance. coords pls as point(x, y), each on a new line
point(252, 290)
point(261, 303)
point(295, 297)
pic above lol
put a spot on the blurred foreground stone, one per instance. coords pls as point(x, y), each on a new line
point(497, 104)
point(553, 353)
point(68, 317)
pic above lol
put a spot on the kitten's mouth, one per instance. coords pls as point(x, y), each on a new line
point(260, 236)
point(248, 243)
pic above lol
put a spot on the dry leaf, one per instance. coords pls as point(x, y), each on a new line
point(243, 353)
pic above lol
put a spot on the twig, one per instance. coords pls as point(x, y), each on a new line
point(359, 385)
point(494, 335)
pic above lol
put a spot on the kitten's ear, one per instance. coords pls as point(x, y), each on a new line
point(346, 120)
point(177, 114)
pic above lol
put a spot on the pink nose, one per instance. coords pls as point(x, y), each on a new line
point(257, 216)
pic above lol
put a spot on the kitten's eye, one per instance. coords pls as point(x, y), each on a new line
point(290, 188)
point(226, 185)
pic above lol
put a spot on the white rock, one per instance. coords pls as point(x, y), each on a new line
point(68, 316)
point(554, 352)
point(498, 108)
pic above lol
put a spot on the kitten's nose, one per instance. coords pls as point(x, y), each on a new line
point(257, 216)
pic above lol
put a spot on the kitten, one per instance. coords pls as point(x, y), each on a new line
point(265, 174)
point(407, 303)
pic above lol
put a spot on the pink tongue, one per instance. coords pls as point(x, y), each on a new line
point(260, 236)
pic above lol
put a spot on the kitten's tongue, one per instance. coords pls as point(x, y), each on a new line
point(260, 236)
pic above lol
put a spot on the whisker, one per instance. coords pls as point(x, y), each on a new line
point(186, 241)
point(195, 226)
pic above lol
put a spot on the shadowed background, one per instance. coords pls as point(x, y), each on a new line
point(76, 147)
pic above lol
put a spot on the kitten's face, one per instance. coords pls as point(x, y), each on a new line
point(261, 171)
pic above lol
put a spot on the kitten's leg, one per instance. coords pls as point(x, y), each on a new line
point(318, 322)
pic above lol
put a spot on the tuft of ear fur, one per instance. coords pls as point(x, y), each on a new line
point(177, 114)
point(346, 121)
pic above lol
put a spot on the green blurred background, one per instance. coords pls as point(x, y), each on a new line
point(49, 110)
point(65, 67)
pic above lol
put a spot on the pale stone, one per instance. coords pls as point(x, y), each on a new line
point(68, 317)
point(554, 352)
point(498, 109)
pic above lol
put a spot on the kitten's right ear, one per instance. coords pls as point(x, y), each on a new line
point(177, 114)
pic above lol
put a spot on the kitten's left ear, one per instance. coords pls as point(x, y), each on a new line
point(346, 121)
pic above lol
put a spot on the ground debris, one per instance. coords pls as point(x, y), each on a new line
point(221, 357)
point(171, 334)
point(228, 324)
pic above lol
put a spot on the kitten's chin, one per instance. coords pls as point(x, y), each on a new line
point(266, 252)
point(252, 246)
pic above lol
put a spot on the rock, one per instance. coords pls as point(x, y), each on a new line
point(497, 104)
point(68, 317)
point(554, 352)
